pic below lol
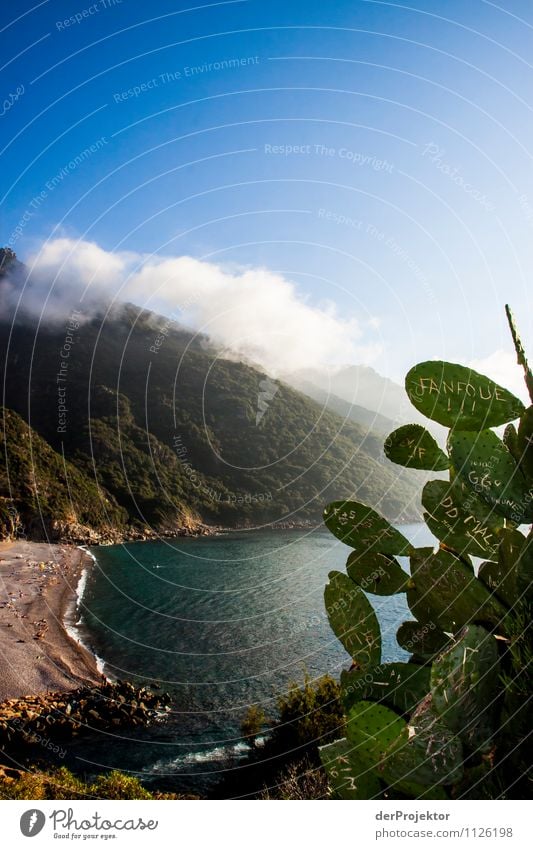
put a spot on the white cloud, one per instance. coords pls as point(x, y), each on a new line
point(252, 312)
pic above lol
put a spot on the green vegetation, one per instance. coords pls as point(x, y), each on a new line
point(167, 428)
point(452, 722)
point(309, 715)
point(40, 491)
point(285, 764)
point(253, 723)
point(62, 784)
point(300, 781)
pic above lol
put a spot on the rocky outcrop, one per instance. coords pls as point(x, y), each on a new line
point(73, 532)
point(54, 717)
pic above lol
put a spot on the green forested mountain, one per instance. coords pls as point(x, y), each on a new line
point(41, 493)
point(171, 431)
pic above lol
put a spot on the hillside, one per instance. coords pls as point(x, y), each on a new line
point(173, 433)
point(41, 494)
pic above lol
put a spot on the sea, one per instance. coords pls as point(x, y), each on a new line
point(220, 623)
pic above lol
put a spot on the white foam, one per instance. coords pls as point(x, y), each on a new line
point(216, 755)
point(74, 620)
point(82, 584)
point(87, 552)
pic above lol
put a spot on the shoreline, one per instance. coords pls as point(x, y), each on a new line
point(41, 586)
point(38, 595)
point(85, 537)
point(72, 615)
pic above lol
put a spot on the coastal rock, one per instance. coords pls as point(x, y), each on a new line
point(57, 716)
point(61, 531)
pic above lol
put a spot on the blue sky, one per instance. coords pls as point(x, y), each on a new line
point(375, 155)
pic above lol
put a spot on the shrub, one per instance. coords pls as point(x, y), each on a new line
point(253, 723)
point(301, 780)
point(61, 784)
point(309, 715)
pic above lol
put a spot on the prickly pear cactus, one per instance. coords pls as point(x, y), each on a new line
point(463, 685)
point(500, 583)
point(423, 640)
point(454, 717)
point(510, 440)
point(446, 588)
point(459, 397)
point(413, 446)
point(426, 752)
point(503, 576)
point(460, 520)
point(399, 686)
point(524, 571)
point(348, 778)
point(353, 620)
point(524, 446)
point(377, 573)
point(489, 469)
point(371, 729)
point(363, 529)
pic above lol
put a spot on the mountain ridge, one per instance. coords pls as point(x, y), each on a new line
point(164, 425)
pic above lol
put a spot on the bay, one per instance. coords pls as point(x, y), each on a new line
point(220, 623)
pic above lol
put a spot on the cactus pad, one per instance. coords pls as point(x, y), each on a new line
point(510, 440)
point(376, 573)
point(456, 396)
point(502, 577)
point(364, 529)
point(427, 752)
point(347, 777)
point(400, 686)
point(422, 639)
point(460, 519)
point(413, 446)
point(501, 584)
point(463, 683)
point(524, 445)
point(353, 620)
point(524, 569)
point(515, 565)
point(371, 729)
point(486, 465)
point(446, 592)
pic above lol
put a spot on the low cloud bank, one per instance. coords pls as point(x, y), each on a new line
point(251, 312)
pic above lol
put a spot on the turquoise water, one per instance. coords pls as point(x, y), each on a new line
point(220, 623)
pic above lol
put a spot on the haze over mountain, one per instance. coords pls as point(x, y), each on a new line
point(361, 394)
point(174, 433)
point(304, 382)
point(358, 386)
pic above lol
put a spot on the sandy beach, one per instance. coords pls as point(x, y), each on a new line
point(38, 585)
